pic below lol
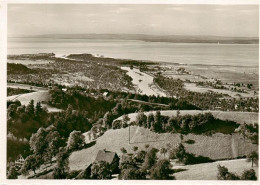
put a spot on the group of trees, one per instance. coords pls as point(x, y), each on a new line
point(15, 91)
point(44, 144)
point(29, 117)
point(200, 123)
point(224, 174)
point(143, 165)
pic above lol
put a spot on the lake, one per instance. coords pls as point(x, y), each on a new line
point(186, 53)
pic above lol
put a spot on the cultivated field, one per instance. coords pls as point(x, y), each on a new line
point(239, 117)
point(208, 171)
point(217, 147)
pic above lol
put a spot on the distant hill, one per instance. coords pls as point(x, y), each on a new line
point(157, 38)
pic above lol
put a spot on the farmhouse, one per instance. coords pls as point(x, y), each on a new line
point(19, 162)
point(109, 157)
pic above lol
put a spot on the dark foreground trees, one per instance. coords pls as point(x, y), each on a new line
point(224, 174)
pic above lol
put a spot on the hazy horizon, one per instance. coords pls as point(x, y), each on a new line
point(159, 20)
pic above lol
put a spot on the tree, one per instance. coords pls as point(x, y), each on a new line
point(12, 173)
point(249, 175)
point(141, 119)
point(31, 162)
point(178, 113)
point(180, 153)
point(30, 107)
point(123, 150)
point(242, 130)
point(135, 148)
point(224, 174)
point(150, 120)
point(147, 146)
point(61, 169)
point(101, 170)
point(55, 142)
point(157, 122)
point(38, 142)
point(125, 121)
point(117, 110)
point(161, 170)
point(150, 159)
point(163, 151)
point(253, 157)
point(140, 156)
point(76, 140)
point(108, 119)
point(38, 109)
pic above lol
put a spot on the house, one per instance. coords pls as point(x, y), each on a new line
point(110, 157)
point(19, 162)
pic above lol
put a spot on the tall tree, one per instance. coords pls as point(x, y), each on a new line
point(61, 169)
point(150, 120)
point(30, 107)
point(161, 170)
point(253, 157)
point(76, 140)
point(150, 159)
point(32, 162)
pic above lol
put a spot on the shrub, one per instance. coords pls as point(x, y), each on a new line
point(161, 170)
point(101, 170)
point(116, 124)
point(224, 174)
point(249, 175)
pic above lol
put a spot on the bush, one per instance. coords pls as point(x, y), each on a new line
point(12, 173)
point(161, 170)
point(249, 175)
point(224, 174)
point(116, 124)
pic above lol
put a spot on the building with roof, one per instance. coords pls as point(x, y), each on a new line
point(110, 157)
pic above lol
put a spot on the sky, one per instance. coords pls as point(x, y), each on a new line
point(218, 20)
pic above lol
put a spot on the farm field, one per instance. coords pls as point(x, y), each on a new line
point(208, 171)
point(225, 146)
point(239, 117)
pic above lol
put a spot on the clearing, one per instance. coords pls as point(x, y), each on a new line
point(218, 146)
point(42, 96)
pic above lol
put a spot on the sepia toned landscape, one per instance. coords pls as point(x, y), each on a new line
point(133, 106)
